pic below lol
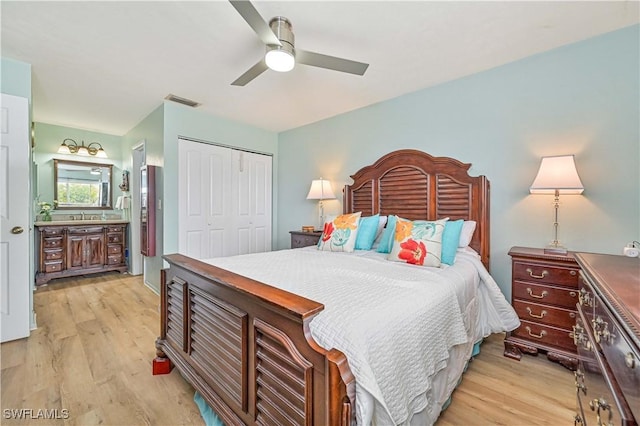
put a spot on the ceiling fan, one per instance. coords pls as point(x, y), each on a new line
point(281, 53)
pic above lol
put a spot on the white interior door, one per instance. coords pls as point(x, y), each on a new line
point(15, 284)
point(204, 210)
point(252, 181)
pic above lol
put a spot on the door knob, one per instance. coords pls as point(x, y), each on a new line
point(17, 230)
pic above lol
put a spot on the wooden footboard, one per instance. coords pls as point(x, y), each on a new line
point(247, 348)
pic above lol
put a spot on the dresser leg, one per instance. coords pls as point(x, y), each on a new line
point(515, 350)
point(566, 361)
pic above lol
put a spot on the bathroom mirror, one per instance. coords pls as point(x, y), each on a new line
point(80, 185)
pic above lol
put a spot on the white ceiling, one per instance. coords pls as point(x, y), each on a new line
point(104, 66)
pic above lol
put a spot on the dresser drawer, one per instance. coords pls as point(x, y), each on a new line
point(114, 249)
point(622, 357)
point(114, 259)
point(54, 266)
point(52, 232)
point(545, 335)
point(81, 230)
point(545, 273)
point(545, 294)
point(115, 228)
point(114, 238)
point(52, 242)
point(53, 254)
point(558, 317)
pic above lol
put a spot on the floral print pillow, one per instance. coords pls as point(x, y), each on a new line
point(418, 242)
point(340, 233)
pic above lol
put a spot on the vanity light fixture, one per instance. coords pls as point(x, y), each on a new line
point(69, 146)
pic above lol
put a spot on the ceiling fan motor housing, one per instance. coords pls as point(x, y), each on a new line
point(282, 28)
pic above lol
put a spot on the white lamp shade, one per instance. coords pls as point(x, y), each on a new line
point(64, 149)
point(557, 173)
point(320, 190)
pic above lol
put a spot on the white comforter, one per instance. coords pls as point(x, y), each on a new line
point(395, 322)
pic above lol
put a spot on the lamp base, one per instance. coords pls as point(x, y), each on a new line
point(555, 249)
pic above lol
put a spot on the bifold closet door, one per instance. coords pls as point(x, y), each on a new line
point(224, 201)
point(251, 181)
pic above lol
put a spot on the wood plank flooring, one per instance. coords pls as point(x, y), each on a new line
point(92, 353)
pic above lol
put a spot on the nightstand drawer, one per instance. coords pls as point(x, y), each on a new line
point(545, 294)
point(545, 335)
point(544, 314)
point(304, 239)
point(545, 273)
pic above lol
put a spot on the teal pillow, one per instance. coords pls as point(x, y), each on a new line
point(388, 235)
point(450, 240)
point(367, 229)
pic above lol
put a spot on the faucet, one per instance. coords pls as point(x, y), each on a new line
point(82, 213)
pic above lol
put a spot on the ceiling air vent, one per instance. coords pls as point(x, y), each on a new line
point(183, 101)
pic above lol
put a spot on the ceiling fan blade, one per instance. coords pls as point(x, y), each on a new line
point(255, 21)
point(330, 62)
point(251, 73)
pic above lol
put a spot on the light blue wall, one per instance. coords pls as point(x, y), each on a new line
point(149, 130)
point(16, 78)
point(48, 138)
point(580, 99)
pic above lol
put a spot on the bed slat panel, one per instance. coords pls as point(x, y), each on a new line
point(283, 379)
point(453, 198)
point(216, 335)
point(175, 314)
point(404, 191)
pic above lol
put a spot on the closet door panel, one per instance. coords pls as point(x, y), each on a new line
point(261, 202)
point(216, 241)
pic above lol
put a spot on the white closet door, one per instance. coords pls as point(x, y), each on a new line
point(204, 190)
point(224, 201)
point(251, 181)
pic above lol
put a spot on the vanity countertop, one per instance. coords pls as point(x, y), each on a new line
point(81, 222)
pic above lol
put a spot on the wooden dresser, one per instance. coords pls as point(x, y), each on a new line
point(607, 335)
point(544, 293)
point(68, 250)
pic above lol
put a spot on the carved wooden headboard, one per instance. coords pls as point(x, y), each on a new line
point(414, 185)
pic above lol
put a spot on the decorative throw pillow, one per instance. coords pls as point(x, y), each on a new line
point(418, 242)
point(340, 234)
point(450, 240)
point(367, 230)
point(386, 242)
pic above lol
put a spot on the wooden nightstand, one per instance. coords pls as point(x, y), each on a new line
point(304, 239)
point(544, 293)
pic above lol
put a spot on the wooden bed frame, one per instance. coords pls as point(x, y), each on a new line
point(246, 346)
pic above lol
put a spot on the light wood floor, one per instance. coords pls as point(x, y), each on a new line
point(93, 348)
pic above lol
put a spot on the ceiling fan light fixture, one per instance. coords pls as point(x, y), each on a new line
point(279, 59)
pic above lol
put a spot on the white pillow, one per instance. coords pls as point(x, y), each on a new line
point(468, 228)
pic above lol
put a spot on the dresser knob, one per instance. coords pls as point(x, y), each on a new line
point(573, 273)
point(630, 360)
